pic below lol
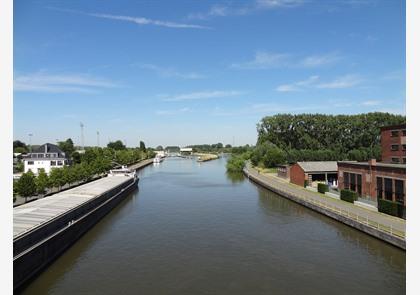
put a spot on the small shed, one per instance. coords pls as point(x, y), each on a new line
point(313, 171)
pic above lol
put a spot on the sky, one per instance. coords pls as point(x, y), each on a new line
point(193, 72)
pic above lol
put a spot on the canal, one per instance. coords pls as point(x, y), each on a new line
point(191, 228)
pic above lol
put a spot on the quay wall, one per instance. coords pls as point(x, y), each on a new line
point(386, 237)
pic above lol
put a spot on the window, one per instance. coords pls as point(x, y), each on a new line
point(404, 161)
point(395, 160)
point(30, 162)
point(359, 184)
point(394, 133)
point(388, 189)
point(403, 147)
point(47, 155)
point(59, 163)
point(403, 132)
point(379, 187)
point(346, 180)
point(53, 163)
point(352, 181)
point(399, 191)
point(394, 147)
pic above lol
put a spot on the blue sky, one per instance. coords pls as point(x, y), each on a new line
point(189, 72)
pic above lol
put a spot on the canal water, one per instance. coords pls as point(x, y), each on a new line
point(191, 228)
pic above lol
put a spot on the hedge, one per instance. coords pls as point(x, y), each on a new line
point(390, 207)
point(348, 195)
point(323, 188)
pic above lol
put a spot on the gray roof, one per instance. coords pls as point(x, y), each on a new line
point(49, 148)
point(319, 166)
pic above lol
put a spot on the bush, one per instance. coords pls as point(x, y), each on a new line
point(235, 164)
point(323, 188)
point(390, 207)
point(348, 195)
point(305, 183)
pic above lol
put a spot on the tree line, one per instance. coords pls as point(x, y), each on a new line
point(84, 166)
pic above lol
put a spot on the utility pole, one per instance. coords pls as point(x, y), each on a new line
point(97, 138)
point(30, 142)
point(82, 139)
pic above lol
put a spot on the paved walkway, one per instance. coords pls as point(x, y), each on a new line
point(383, 221)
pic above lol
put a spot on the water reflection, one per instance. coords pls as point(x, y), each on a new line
point(235, 177)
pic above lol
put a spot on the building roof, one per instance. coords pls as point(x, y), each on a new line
point(48, 148)
point(378, 164)
point(391, 127)
point(318, 166)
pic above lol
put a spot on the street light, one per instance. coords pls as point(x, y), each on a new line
point(30, 142)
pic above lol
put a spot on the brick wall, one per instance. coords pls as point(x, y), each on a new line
point(297, 175)
point(388, 140)
point(369, 174)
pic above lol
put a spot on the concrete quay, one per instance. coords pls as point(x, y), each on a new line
point(384, 227)
point(43, 229)
point(141, 164)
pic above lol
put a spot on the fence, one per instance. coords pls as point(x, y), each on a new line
point(325, 205)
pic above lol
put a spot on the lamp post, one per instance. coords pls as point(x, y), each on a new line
point(30, 142)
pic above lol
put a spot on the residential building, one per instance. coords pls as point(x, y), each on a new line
point(393, 144)
point(325, 171)
point(46, 157)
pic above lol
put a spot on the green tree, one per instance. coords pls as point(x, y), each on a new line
point(235, 164)
point(75, 156)
point(26, 185)
point(19, 147)
point(159, 148)
point(142, 146)
point(41, 181)
point(57, 177)
point(67, 147)
point(116, 145)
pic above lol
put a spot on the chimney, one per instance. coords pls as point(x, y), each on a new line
point(46, 148)
point(372, 162)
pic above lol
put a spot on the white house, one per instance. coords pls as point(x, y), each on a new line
point(47, 156)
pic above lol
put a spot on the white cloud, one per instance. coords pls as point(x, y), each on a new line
point(219, 10)
point(342, 82)
point(264, 60)
point(173, 112)
point(203, 95)
point(297, 86)
point(42, 82)
point(147, 21)
point(270, 60)
point(320, 60)
point(171, 73)
point(371, 103)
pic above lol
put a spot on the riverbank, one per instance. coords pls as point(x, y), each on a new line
point(384, 227)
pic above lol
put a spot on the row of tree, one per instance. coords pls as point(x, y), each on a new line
point(94, 161)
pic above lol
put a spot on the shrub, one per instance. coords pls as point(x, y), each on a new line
point(390, 207)
point(348, 195)
point(305, 183)
point(235, 164)
point(323, 188)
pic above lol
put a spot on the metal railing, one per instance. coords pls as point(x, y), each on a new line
point(363, 219)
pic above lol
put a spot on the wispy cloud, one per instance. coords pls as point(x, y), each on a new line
point(346, 81)
point(266, 108)
point(297, 86)
point(320, 60)
point(42, 82)
point(171, 73)
point(270, 60)
point(173, 112)
point(371, 102)
point(342, 82)
point(203, 95)
point(264, 60)
point(135, 19)
point(224, 10)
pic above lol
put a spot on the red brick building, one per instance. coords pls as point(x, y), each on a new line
point(313, 171)
point(373, 180)
point(379, 180)
point(393, 144)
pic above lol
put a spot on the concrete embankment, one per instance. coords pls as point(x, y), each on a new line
point(45, 228)
point(331, 211)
